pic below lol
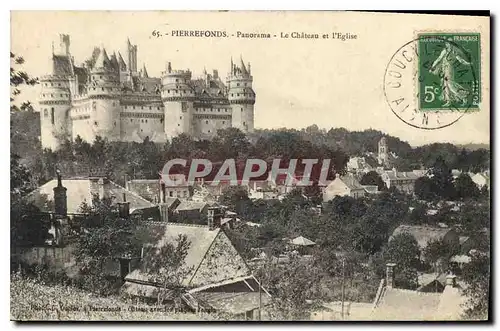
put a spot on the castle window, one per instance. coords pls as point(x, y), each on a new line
point(237, 84)
point(241, 109)
point(62, 95)
point(52, 115)
point(58, 84)
point(51, 95)
point(237, 94)
point(206, 122)
point(142, 107)
point(208, 131)
point(176, 80)
point(244, 123)
point(114, 124)
point(142, 121)
point(158, 108)
point(133, 107)
point(218, 110)
point(150, 107)
point(181, 117)
point(223, 122)
point(161, 120)
point(245, 84)
point(95, 123)
point(100, 77)
point(146, 121)
point(178, 125)
point(45, 113)
point(131, 120)
point(102, 88)
point(141, 130)
point(231, 94)
point(226, 110)
point(168, 91)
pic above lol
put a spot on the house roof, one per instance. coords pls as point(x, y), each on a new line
point(191, 205)
point(422, 233)
point(351, 182)
point(201, 239)
point(81, 190)
point(398, 175)
point(406, 305)
point(302, 241)
point(149, 189)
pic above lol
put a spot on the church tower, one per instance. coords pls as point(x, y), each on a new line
point(241, 96)
point(383, 152)
point(55, 97)
point(177, 96)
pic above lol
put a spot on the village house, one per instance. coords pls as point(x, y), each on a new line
point(343, 186)
point(215, 278)
point(158, 190)
point(481, 179)
point(395, 304)
point(81, 190)
point(425, 234)
point(403, 181)
point(190, 211)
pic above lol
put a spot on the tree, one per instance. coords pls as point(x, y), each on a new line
point(373, 178)
point(403, 250)
point(477, 276)
point(424, 189)
point(438, 253)
point(236, 199)
point(442, 179)
point(165, 264)
point(466, 188)
point(104, 237)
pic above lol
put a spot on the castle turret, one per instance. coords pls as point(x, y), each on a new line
point(177, 95)
point(132, 57)
point(104, 93)
point(241, 96)
point(55, 98)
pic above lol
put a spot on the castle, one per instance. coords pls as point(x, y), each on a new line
point(108, 97)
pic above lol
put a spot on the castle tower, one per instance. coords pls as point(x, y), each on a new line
point(177, 96)
point(383, 152)
point(132, 57)
point(55, 98)
point(104, 93)
point(241, 96)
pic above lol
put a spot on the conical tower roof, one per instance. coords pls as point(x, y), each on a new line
point(121, 62)
point(144, 71)
point(102, 62)
point(243, 68)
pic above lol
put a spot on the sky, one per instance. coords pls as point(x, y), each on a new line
point(298, 82)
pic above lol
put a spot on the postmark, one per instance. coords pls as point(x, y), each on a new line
point(434, 80)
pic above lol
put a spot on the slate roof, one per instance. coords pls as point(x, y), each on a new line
point(201, 240)
point(149, 189)
point(80, 190)
point(61, 65)
point(398, 175)
point(302, 241)
point(422, 233)
point(191, 205)
point(406, 305)
point(351, 182)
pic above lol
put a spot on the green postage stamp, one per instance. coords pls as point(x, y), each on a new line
point(449, 72)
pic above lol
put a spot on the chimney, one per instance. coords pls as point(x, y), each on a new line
point(100, 184)
point(211, 212)
point(390, 274)
point(124, 207)
point(60, 197)
point(214, 218)
point(451, 280)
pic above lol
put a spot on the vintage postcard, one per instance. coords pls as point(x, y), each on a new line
point(258, 166)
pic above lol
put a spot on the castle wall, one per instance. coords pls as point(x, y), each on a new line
point(80, 117)
point(178, 118)
point(139, 122)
